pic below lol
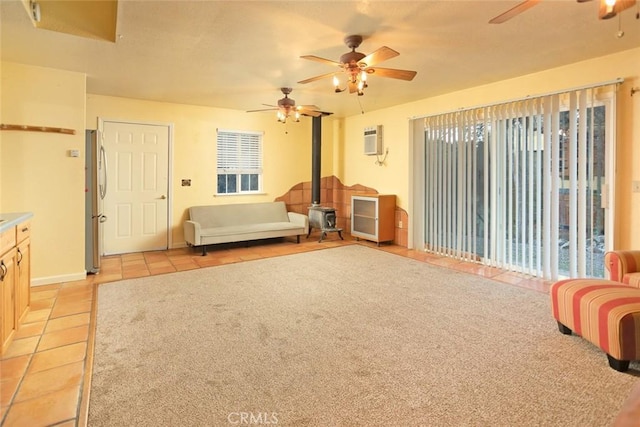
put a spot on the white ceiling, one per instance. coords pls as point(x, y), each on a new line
point(237, 54)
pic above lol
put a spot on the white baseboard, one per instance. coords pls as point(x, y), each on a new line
point(41, 281)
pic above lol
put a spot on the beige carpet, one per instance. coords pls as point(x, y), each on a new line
point(350, 336)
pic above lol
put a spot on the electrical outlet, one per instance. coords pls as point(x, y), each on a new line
point(636, 186)
point(399, 224)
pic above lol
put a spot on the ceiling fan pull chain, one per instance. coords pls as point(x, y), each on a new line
point(620, 33)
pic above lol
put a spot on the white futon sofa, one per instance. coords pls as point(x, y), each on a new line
point(208, 225)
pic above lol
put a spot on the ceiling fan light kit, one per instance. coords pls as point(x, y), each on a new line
point(35, 11)
point(357, 66)
point(286, 108)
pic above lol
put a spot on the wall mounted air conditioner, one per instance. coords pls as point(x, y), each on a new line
point(373, 140)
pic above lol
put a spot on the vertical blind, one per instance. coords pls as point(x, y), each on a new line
point(518, 185)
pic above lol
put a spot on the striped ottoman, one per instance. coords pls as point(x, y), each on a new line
point(604, 312)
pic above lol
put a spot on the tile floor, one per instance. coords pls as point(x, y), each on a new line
point(45, 373)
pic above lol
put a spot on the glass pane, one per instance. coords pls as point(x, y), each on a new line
point(594, 231)
point(363, 224)
point(222, 184)
point(249, 182)
point(232, 186)
point(364, 207)
point(503, 162)
point(254, 182)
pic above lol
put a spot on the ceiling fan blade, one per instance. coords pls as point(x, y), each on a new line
point(516, 10)
point(312, 110)
point(378, 56)
point(312, 113)
point(624, 4)
point(313, 79)
point(308, 107)
point(393, 73)
point(265, 109)
point(323, 60)
point(606, 12)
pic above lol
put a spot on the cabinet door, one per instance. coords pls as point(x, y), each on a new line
point(23, 292)
point(373, 217)
point(7, 294)
point(364, 221)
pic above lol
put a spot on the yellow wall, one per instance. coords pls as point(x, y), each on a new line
point(38, 175)
point(353, 167)
point(286, 148)
point(36, 172)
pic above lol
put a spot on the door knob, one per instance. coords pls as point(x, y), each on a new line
point(163, 197)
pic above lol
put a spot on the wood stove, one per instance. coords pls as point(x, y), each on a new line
point(324, 219)
point(320, 217)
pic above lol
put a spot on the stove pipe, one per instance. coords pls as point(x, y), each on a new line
point(316, 159)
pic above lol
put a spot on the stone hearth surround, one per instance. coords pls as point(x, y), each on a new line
point(335, 194)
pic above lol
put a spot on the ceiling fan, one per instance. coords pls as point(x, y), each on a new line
point(608, 9)
point(287, 107)
point(357, 66)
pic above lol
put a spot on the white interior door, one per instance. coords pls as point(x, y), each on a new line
point(136, 204)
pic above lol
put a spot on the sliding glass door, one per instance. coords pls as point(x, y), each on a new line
point(521, 185)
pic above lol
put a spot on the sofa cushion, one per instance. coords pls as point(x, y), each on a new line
point(239, 214)
point(632, 279)
point(248, 229)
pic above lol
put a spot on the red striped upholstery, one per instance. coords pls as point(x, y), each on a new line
point(624, 266)
point(632, 279)
point(604, 312)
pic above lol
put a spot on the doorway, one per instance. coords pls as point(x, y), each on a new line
point(136, 203)
point(525, 186)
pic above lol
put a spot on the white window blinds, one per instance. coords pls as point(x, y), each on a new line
point(520, 185)
point(239, 152)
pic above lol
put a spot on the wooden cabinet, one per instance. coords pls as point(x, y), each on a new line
point(15, 279)
point(373, 217)
point(23, 264)
point(8, 323)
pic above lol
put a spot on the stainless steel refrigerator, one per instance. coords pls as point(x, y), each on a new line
point(95, 191)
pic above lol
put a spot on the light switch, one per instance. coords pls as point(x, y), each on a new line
point(74, 153)
point(636, 186)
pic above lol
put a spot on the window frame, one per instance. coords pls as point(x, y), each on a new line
point(239, 153)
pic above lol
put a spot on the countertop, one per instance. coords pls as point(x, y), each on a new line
point(8, 220)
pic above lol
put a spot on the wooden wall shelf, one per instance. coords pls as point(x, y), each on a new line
point(38, 129)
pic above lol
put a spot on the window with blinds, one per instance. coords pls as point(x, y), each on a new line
point(239, 167)
point(521, 185)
